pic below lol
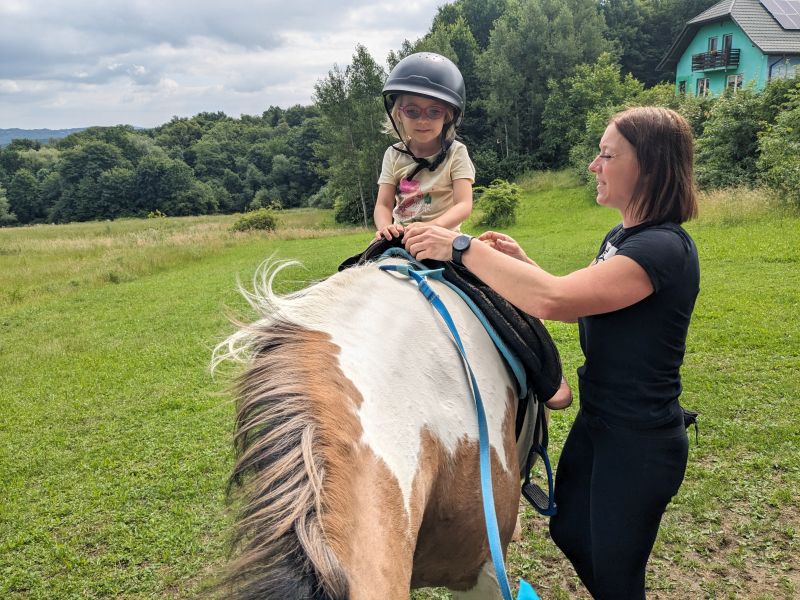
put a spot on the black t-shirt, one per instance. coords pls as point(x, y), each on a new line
point(631, 374)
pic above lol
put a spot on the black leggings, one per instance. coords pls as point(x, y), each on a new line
point(613, 485)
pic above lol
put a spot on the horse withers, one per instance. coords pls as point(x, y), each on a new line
point(356, 437)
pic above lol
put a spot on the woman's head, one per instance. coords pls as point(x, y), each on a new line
point(660, 183)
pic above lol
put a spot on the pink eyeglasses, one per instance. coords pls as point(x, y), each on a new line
point(412, 111)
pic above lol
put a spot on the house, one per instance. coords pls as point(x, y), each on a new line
point(736, 43)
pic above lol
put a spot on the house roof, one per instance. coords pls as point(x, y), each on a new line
point(754, 19)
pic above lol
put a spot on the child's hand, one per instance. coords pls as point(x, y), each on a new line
point(389, 232)
point(505, 244)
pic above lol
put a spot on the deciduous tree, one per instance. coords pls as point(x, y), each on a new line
point(23, 197)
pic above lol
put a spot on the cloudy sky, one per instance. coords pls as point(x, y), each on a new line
point(104, 62)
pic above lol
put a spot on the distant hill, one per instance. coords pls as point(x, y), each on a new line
point(42, 135)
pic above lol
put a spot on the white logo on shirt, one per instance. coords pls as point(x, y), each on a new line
point(607, 253)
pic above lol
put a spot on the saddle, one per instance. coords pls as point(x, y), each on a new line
point(524, 334)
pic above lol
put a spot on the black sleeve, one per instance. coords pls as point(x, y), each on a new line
point(609, 235)
point(661, 251)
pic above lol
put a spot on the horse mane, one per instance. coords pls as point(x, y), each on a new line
point(279, 540)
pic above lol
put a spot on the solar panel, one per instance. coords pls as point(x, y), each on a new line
point(786, 12)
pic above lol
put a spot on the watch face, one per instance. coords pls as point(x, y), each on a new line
point(462, 242)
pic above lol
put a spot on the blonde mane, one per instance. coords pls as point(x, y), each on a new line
point(277, 477)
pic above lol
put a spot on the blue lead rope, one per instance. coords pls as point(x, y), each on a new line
point(526, 591)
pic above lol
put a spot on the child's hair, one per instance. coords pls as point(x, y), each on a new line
point(388, 127)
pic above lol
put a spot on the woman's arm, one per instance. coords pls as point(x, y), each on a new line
point(608, 286)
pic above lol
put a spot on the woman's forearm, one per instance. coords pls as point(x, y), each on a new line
point(524, 284)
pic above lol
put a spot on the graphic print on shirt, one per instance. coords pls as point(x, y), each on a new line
point(412, 204)
point(609, 251)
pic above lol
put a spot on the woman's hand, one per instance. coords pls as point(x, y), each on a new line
point(429, 241)
point(389, 232)
point(505, 244)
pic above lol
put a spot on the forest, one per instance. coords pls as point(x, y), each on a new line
point(542, 78)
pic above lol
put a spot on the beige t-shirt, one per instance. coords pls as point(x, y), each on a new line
point(429, 194)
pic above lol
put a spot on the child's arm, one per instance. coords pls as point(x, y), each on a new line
point(382, 215)
point(462, 206)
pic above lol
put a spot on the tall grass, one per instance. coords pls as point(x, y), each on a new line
point(736, 206)
point(45, 260)
point(543, 181)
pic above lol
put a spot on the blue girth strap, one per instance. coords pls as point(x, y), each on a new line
point(526, 591)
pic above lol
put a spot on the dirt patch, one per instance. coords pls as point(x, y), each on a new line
point(735, 559)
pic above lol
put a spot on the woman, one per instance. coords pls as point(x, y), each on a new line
point(625, 455)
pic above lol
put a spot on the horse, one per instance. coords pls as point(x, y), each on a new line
point(356, 441)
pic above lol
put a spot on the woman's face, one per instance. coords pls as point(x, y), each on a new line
point(616, 170)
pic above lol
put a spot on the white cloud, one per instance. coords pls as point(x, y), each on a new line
point(91, 62)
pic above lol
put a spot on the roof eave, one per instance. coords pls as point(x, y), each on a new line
point(670, 60)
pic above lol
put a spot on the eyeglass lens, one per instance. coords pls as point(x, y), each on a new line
point(412, 111)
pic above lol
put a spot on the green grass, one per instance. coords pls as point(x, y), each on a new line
point(115, 439)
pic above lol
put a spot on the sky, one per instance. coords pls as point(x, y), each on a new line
point(80, 63)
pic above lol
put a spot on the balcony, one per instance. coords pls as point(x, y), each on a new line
point(709, 61)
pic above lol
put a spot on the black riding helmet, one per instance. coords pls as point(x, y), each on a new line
point(432, 76)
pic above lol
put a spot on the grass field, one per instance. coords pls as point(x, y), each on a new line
point(115, 439)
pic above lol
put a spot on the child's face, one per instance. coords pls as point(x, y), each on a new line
point(423, 118)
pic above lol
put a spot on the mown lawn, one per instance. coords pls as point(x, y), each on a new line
point(115, 438)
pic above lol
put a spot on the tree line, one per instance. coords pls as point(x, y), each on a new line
point(542, 77)
point(201, 165)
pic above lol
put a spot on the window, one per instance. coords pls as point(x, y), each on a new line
point(682, 88)
point(727, 42)
point(702, 87)
point(785, 68)
point(734, 82)
point(712, 44)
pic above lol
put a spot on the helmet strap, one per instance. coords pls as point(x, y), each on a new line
point(424, 163)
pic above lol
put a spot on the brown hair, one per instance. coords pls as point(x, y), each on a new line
point(664, 147)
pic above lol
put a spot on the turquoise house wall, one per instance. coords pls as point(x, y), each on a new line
point(753, 65)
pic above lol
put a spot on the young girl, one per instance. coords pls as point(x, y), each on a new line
point(428, 176)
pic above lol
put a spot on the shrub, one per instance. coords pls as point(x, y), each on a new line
point(348, 209)
point(265, 198)
point(156, 214)
point(727, 149)
point(6, 216)
point(780, 151)
point(322, 199)
point(498, 203)
point(263, 218)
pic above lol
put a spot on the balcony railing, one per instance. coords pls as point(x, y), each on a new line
point(715, 60)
